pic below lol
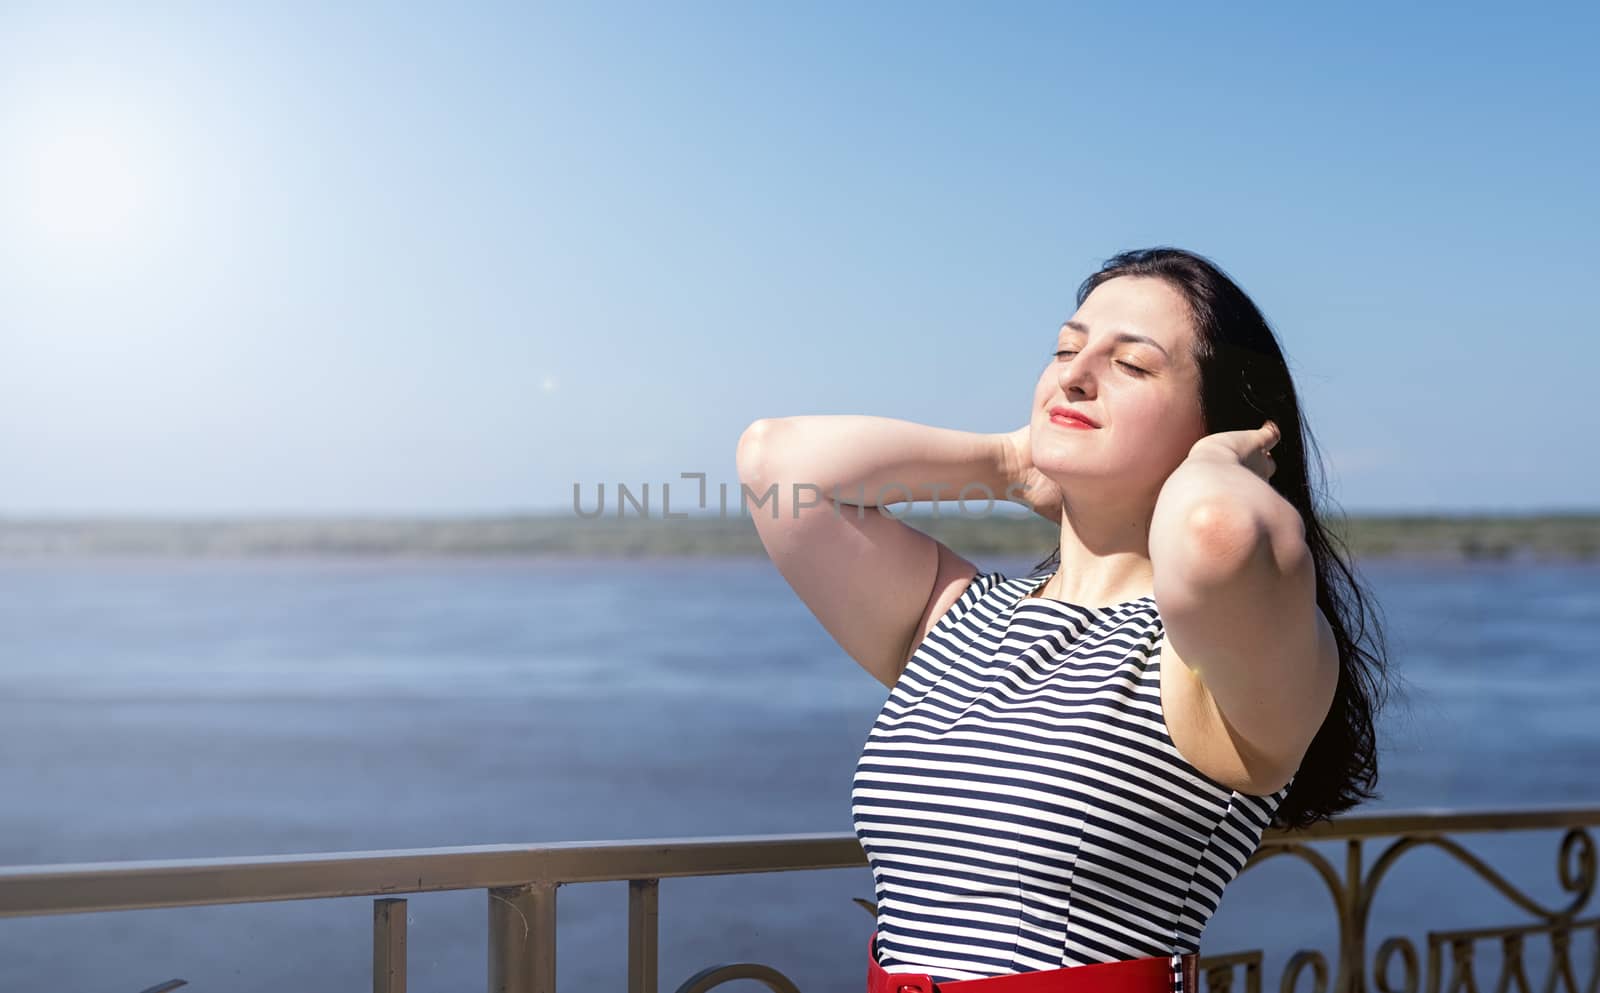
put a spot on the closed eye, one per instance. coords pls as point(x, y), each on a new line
point(1131, 368)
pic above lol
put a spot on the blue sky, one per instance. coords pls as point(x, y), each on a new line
point(300, 260)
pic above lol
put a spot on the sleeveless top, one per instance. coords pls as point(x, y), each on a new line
point(1022, 805)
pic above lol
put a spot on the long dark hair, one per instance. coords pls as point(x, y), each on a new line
point(1244, 380)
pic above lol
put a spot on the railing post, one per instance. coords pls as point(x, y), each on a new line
point(642, 934)
point(522, 938)
point(388, 946)
point(1355, 903)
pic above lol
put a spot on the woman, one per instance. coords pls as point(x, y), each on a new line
point(1072, 764)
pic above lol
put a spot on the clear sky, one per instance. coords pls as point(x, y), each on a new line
point(393, 259)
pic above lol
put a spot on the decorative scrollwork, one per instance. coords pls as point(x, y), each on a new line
point(1219, 980)
point(1581, 883)
point(1341, 901)
point(1586, 861)
point(1219, 970)
point(1330, 877)
point(716, 975)
point(1512, 971)
point(1560, 945)
point(1513, 977)
point(1408, 954)
point(1297, 964)
point(1462, 976)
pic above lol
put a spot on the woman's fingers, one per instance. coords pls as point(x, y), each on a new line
point(1251, 447)
point(1270, 436)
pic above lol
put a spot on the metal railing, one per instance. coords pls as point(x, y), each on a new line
point(520, 883)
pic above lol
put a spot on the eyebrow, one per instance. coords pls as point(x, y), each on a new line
point(1121, 336)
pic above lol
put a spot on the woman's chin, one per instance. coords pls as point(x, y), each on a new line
point(1077, 477)
point(1060, 469)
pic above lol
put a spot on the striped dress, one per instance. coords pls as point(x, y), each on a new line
point(1022, 805)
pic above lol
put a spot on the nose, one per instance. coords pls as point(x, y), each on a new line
point(1075, 375)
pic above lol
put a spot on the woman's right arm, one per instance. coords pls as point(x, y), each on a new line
point(876, 584)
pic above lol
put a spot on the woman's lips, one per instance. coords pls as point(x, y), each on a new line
point(1070, 422)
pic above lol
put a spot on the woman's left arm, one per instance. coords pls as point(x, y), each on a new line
point(1235, 585)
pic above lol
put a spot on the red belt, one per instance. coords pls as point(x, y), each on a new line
point(1148, 975)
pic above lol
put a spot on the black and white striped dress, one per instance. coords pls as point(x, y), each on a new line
point(1022, 805)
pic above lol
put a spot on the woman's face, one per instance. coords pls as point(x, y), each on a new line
point(1144, 395)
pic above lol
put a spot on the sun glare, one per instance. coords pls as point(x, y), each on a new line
point(87, 185)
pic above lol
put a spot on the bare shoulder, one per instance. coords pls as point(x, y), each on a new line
point(1204, 737)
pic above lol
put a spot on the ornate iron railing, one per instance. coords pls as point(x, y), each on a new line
point(520, 883)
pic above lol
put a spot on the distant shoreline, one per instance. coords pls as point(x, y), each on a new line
point(1541, 537)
